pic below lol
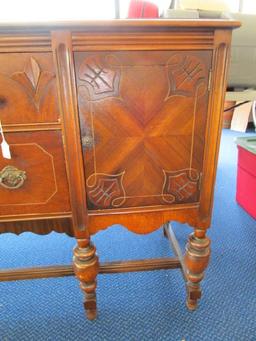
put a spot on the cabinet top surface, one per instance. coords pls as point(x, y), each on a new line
point(115, 24)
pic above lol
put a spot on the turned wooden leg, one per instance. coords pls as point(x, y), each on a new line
point(196, 260)
point(86, 267)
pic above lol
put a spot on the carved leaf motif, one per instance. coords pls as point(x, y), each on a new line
point(33, 80)
point(32, 71)
point(180, 186)
point(105, 190)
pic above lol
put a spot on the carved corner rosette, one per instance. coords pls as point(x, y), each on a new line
point(180, 186)
point(100, 77)
point(106, 190)
point(12, 178)
point(186, 74)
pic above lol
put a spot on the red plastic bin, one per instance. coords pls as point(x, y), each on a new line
point(246, 174)
point(142, 9)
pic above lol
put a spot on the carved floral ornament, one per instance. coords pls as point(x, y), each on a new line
point(33, 80)
point(180, 186)
point(186, 74)
point(105, 190)
point(101, 78)
point(101, 75)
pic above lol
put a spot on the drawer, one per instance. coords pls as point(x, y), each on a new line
point(27, 88)
point(34, 181)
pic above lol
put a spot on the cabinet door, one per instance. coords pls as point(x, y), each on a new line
point(143, 117)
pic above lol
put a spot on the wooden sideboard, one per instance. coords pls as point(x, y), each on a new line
point(112, 122)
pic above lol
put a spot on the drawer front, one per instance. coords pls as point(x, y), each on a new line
point(143, 116)
point(34, 181)
point(27, 88)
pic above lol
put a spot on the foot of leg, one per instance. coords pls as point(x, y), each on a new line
point(86, 267)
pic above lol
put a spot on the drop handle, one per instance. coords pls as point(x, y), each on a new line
point(12, 177)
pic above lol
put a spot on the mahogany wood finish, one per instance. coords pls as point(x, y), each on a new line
point(112, 122)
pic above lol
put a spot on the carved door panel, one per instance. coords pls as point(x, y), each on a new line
point(27, 88)
point(143, 116)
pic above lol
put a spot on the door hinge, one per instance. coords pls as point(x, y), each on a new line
point(210, 80)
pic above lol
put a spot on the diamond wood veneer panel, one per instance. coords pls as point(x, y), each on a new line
point(142, 119)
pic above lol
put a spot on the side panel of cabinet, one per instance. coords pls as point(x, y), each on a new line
point(143, 116)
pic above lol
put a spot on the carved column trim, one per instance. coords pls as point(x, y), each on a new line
point(63, 58)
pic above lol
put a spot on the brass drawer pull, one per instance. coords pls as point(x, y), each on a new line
point(11, 177)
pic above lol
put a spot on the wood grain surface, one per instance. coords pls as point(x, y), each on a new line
point(142, 118)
